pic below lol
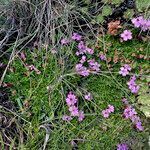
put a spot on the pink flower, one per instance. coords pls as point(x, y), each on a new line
point(66, 118)
point(110, 108)
point(122, 146)
point(126, 66)
point(89, 50)
point(83, 59)
point(137, 21)
point(88, 96)
point(123, 71)
point(81, 70)
point(81, 48)
point(102, 57)
point(132, 85)
point(145, 25)
point(93, 65)
point(71, 99)
point(76, 36)
point(141, 22)
point(130, 113)
point(74, 111)
point(81, 116)
point(139, 126)
point(105, 113)
point(125, 101)
point(64, 41)
point(126, 35)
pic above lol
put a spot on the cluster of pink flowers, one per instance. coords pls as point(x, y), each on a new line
point(82, 70)
point(122, 146)
point(125, 70)
point(75, 36)
point(126, 35)
point(132, 85)
point(106, 112)
point(83, 49)
point(130, 113)
point(71, 101)
point(93, 67)
point(140, 22)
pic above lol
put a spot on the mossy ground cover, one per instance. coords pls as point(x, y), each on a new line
point(40, 98)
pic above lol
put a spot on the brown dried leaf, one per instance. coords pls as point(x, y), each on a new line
point(133, 54)
point(128, 61)
point(109, 59)
point(113, 27)
point(116, 57)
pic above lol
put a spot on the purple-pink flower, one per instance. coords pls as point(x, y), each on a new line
point(122, 146)
point(107, 111)
point(81, 48)
point(93, 65)
point(89, 50)
point(83, 59)
point(137, 21)
point(81, 116)
point(126, 66)
point(74, 110)
point(81, 70)
point(145, 25)
point(141, 22)
point(71, 99)
point(102, 57)
point(130, 113)
point(139, 126)
point(76, 36)
point(88, 96)
point(64, 41)
point(132, 85)
point(125, 101)
point(125, 70)
point(110, 108)
point(66, 118)
point(126, 35)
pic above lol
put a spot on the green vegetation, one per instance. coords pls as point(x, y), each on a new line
point(40, 98)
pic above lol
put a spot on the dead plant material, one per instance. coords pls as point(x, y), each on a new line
point(113, 27)
point(10, 128)
point(116, 57)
